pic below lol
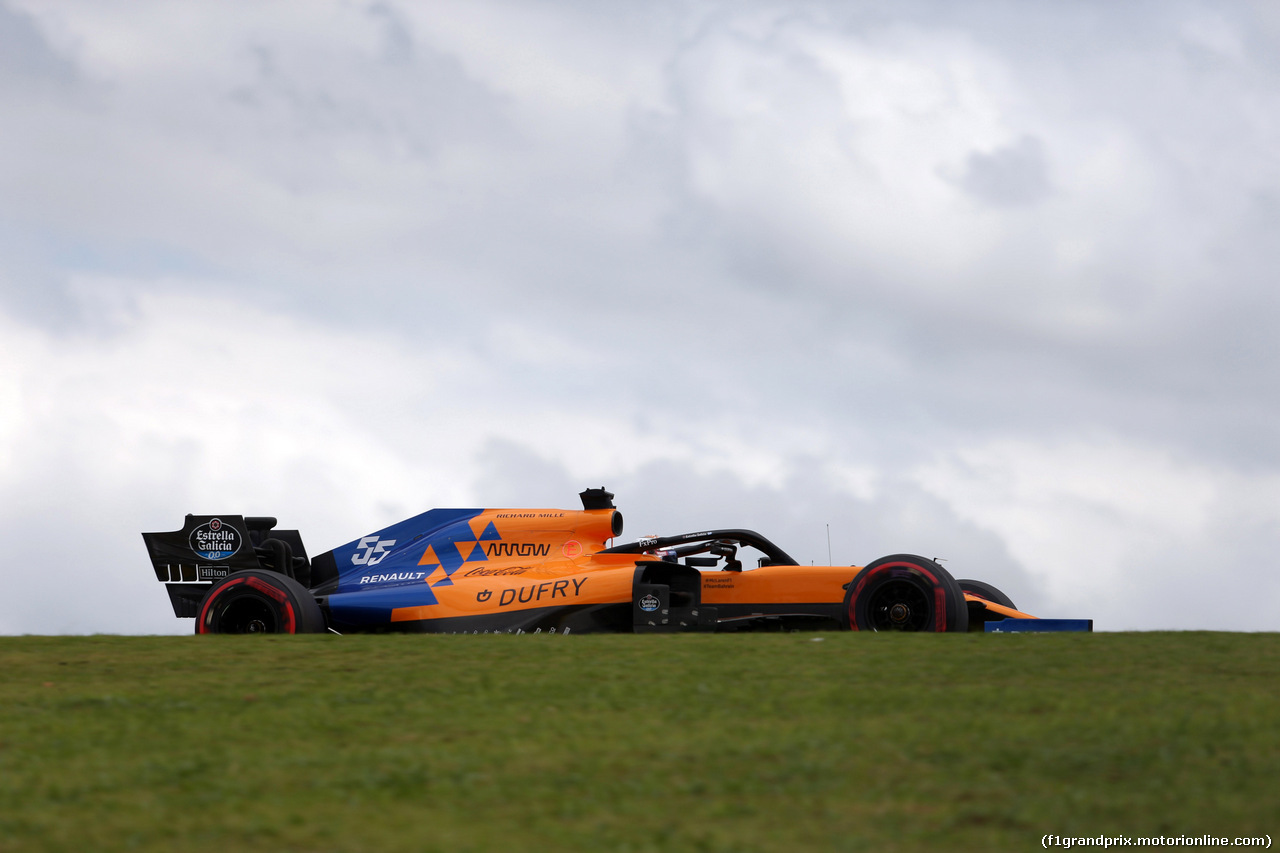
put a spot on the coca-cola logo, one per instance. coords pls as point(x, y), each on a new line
point(214, 540)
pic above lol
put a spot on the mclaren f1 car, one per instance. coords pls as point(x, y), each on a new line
point(547, 570)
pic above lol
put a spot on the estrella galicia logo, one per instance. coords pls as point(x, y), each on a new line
point(649, 603)
point(214, 540)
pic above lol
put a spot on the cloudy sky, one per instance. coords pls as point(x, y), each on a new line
point(989, 281)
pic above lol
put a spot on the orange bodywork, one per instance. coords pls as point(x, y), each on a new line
point(1007, 612)
point(544, 558)
point(549, 557)
point(777, 585)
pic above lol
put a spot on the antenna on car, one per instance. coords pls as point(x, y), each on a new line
point(829, 544)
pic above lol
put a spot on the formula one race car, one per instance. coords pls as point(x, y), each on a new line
point(548, 570)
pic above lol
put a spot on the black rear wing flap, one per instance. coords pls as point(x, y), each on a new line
point(210, 547)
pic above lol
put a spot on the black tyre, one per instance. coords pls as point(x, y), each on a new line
point(982, 589)
point(905, 593)
point(258, 602)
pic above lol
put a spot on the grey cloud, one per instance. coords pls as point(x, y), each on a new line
point(25, 55)
point(425, 103)
point(1014, 175)
point(30, 290)
point(397, 34)
point(511, 474)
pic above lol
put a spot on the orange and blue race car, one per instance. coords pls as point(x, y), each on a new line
point(550, 571)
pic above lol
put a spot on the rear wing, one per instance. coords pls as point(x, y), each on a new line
point(210, 547)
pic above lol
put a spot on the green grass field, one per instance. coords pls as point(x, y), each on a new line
point(629, 743)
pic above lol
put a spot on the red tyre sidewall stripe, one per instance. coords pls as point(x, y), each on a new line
point(282, 598)
point(262, 586)
point(209, 601)
point(857, 591)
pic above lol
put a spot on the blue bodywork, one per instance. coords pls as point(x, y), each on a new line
point(388, 569)
point(1038, 626)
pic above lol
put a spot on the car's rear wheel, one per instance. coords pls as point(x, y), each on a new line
point(905, 593)
point(258, 602)
point(984, 590)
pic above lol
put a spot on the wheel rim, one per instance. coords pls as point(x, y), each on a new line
point(899, 605)
point(248, 614)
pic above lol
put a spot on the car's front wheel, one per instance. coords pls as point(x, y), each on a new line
point(986, 591)
point(904, 592)
point(259, 602)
